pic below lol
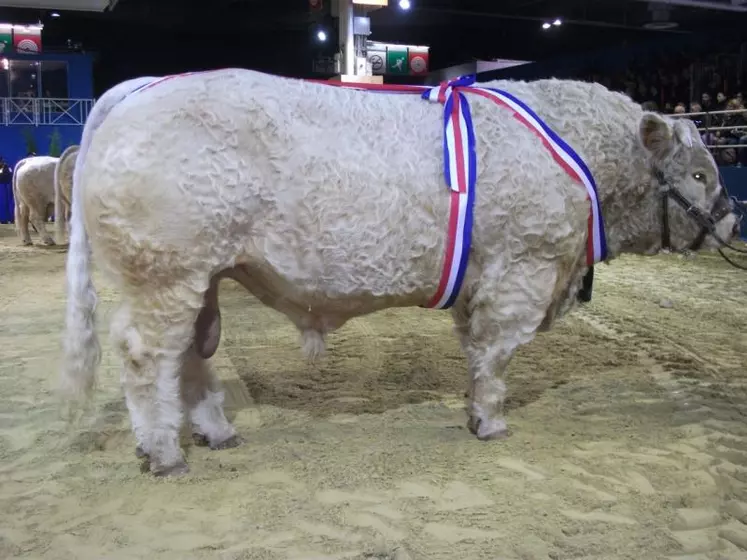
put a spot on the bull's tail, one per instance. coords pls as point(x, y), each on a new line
point(16, 199)
point(82, 352)
point(60, 200)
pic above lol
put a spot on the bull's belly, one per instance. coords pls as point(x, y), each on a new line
point(324, 308)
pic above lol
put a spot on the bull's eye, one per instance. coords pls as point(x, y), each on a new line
point(700, 177)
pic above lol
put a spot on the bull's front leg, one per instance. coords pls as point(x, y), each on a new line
point(502, 317)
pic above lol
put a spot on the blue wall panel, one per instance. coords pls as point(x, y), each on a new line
point(735, 179)
point(13, 143)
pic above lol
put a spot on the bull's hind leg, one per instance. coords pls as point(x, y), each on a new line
point(38, 221)
point(200, 387)
point(204, 401)
point(502, 316)
point(152, 335)
point(22, 223)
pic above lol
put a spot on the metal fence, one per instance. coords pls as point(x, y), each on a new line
point(708, 130)
point(25, 111)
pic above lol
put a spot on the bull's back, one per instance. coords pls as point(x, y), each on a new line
point(303, 177)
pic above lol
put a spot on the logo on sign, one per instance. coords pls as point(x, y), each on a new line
point(377, 62)
point(418, 64)
point(27, 45)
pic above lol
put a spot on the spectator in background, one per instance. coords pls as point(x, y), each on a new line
point(680, 109)
point(650, 106)
point(6, 193)
point(720, 101)
point(737, 136)
point(705, 102)
point(707, 136)
point(730, 136)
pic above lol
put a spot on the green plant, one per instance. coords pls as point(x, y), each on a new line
point(30, 141)
point(55, 143)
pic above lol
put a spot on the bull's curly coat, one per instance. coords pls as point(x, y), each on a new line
point(33, 190)
point(63, 189)
point(329, 203)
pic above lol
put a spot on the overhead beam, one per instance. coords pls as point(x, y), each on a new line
point(734, 6)
point(62, 5)
point(388, 20)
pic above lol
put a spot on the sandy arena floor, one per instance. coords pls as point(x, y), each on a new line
point(629, 435)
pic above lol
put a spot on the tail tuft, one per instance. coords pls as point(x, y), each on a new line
point(312, 344)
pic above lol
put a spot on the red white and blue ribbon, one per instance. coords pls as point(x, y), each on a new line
point(460, 171)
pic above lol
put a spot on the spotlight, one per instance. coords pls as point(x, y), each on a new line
point(55, 14)
point(404, 5)
point(321, 36)
point(546, 25)
point(557, 22)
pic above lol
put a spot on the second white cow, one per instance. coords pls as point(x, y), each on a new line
point(34, 192)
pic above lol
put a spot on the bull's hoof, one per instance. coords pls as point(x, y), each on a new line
point(49, 242)
point(200, 440)
point(179, 469)
point(26, 243)
point(233, 441)
point(488, 430)
point(139, 453)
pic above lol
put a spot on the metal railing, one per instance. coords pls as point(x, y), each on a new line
point(706, 129)
point(35, 111)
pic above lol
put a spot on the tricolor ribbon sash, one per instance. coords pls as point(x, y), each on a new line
point(460, 169)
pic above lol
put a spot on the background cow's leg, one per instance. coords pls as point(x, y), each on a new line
point(152, 347)
point(38, 221)
point(22, 221)
point(505, 315)
point(204, 401)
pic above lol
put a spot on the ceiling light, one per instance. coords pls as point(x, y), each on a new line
point(557, 22)
point(405, 5)
point(321, 35)
point(55, 14)
point(546, 25)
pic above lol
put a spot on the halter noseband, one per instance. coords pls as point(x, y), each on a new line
point(722, 207)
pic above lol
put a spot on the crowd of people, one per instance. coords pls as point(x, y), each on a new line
point(698, 86)
point(725, 133)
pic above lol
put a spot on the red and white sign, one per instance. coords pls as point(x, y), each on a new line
point(418, 60)
point(27, 39)
point(316, 5)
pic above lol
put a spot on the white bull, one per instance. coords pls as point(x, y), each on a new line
point(33, 190)
point(63, 189)
point(329, 203)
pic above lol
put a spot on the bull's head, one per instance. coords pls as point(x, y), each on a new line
point(683, 171)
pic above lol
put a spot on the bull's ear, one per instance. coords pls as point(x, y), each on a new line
point(685, 131)
point(656, 135)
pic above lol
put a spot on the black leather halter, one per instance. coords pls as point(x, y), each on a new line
point(722, 207)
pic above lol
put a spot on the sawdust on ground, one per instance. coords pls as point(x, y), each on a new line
point(629, 435)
